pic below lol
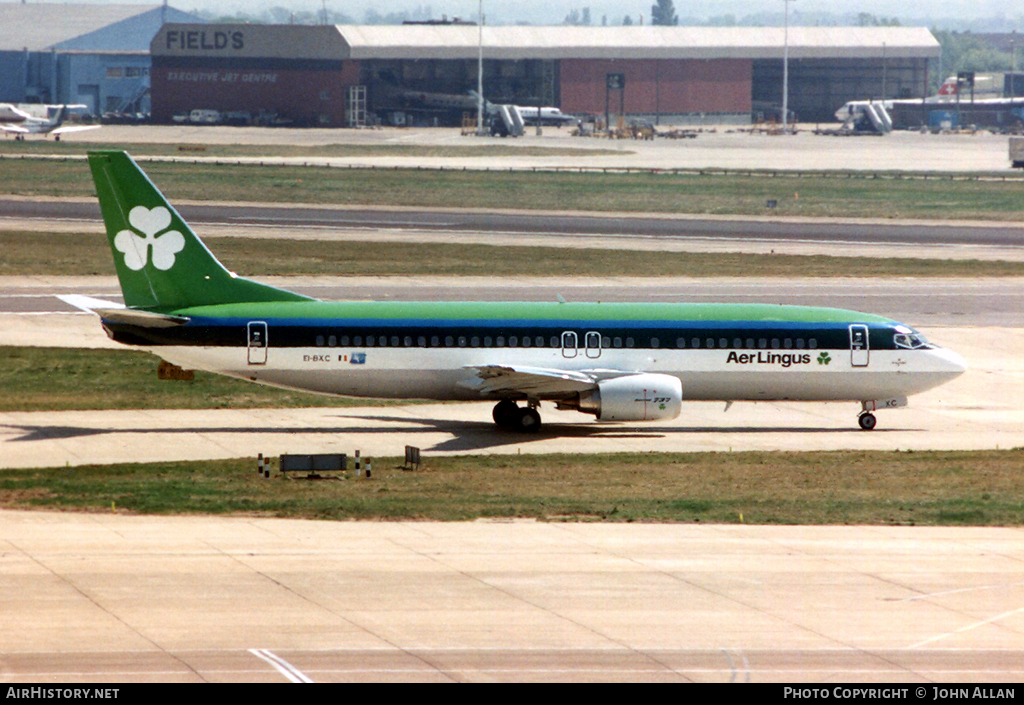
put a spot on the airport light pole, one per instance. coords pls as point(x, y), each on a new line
point(785, 71)
point(480, 74)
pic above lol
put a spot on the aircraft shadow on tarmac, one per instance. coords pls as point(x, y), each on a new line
point(467, 435)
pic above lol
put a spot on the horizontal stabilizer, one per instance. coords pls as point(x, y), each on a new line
point(88, 303)
point(117, 313)
point(74, 128)
point(144, 319)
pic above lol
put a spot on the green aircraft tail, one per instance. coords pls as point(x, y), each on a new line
point(161, 264)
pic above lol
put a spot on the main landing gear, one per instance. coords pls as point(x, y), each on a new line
point(867, 420)
point(508, 414)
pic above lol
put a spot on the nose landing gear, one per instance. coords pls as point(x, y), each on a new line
point(867, 420)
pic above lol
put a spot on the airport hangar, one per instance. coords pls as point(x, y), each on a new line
point(329, 75)
point(96, 55)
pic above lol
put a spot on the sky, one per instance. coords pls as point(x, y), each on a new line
point(1009, 13)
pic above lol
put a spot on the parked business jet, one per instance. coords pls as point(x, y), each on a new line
point(619, 362)
point(28, 125)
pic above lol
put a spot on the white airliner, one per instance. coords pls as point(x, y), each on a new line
point(28, 125)
point(618, 362)
point(946, 98)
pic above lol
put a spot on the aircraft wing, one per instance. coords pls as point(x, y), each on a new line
point(74, 128)
point(535, 382)
point(14, 128)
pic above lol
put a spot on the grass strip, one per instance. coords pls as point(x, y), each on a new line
point(724, 194)
point(977, 488)
point(27, 253)
point(63, 379)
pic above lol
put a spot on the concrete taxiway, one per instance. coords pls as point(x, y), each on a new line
point(980, 410)
point(716, 147)
point(107, 597)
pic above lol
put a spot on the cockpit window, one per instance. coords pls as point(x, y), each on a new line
point(911, 341)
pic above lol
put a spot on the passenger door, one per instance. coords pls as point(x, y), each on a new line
point(569, 344)
point(257, 343)
point(859, 349)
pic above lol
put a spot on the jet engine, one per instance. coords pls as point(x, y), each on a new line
point(640, 397)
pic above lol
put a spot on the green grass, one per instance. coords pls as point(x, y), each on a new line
point(852, 487)
point(814, 195)
point(26, 253)
point(59, 379)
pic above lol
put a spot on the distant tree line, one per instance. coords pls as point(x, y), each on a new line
point(964, 51)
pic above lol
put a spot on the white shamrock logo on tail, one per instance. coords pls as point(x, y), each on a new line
point(136, 249)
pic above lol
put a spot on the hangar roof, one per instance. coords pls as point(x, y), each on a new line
point(79, 27)
point(646, 42)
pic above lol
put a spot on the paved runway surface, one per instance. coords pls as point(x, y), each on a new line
point(918, 302)
point(661, 228)
point(106, 597)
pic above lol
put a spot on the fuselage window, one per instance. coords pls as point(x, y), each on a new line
point(695, 343)
point(750, 343)
point(737, 342)
point(407, 341)
point(435, 341)
point(319, 341)
point(775, 343)
point(723, 342)
point(538, 342)
point(554, 341)
point(800, 343)
point(655, 342)
point(462, 341)
point(344, 341)
point(449, 341)
point(513, 341)
point(332, 342)
point(680, 343)
point(500, 342)
point(474, 342)
point(382, 341)
point(617, 343)
point(358, 341)
point(487, 341)
point(787, 343)
point(629, 342)
point(394, 341)
point(606, 342)
point(526, 341)
point(762, 343)
point(422, 341)
point(812, 343)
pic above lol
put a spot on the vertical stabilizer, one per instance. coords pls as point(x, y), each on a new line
point(160, 262)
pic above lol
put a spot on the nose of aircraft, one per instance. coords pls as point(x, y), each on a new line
point(949, 362)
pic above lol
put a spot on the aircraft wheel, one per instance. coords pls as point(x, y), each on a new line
point(867, 421)
point(529, 420)
point(506, 413)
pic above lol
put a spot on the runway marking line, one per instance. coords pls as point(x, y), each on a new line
point(283, 667)
point(968, 628)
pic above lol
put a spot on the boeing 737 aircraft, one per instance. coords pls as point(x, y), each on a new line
point(619, 362)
